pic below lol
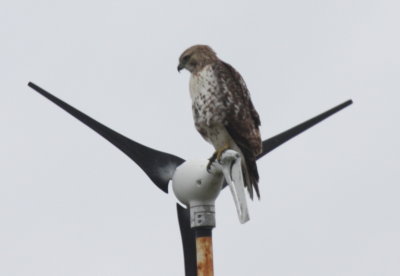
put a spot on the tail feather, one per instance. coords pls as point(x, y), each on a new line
point(251, 176)
point(249, 147)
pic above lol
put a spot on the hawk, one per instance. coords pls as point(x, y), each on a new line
point(222, 109)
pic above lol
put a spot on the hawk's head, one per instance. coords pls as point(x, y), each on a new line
point(196, 57)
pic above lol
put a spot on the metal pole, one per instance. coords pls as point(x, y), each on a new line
point(203, 221)
point(204, 252)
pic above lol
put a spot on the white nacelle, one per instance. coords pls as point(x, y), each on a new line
point(193, 185)
point(198, 189)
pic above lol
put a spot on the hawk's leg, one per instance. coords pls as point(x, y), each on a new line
point(216, 156)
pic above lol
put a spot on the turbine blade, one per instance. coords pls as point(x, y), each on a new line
point(159, 166)
point(188, 241)
point(274, 142)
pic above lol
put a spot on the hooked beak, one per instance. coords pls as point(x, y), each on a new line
point(180, 67)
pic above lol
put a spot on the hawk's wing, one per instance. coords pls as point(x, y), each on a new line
point(242, 120)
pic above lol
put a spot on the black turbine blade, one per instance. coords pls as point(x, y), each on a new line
point(188, 235)
point(159, 166)
point(188, 241)
point(274, 142)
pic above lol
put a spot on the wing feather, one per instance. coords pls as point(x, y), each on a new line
point(241, 115)
point(242, 120)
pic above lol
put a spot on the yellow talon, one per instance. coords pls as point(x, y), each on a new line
point(220, 151)
point(216, 156)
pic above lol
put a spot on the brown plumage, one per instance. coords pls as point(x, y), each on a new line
point(222, 109)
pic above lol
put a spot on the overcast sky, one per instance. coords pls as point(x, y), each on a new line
point(72, 204)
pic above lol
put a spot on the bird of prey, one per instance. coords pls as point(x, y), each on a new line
point(222, 109)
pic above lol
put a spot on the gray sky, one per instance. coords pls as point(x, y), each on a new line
point(71, 204)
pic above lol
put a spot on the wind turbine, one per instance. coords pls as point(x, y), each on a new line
point(195, 223)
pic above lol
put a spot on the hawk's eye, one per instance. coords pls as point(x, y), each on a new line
point(185, 58)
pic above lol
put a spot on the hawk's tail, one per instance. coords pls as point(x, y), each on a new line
point(250, 173)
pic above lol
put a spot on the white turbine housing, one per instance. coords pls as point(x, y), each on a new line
point(193, 185)
point(198, 189)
